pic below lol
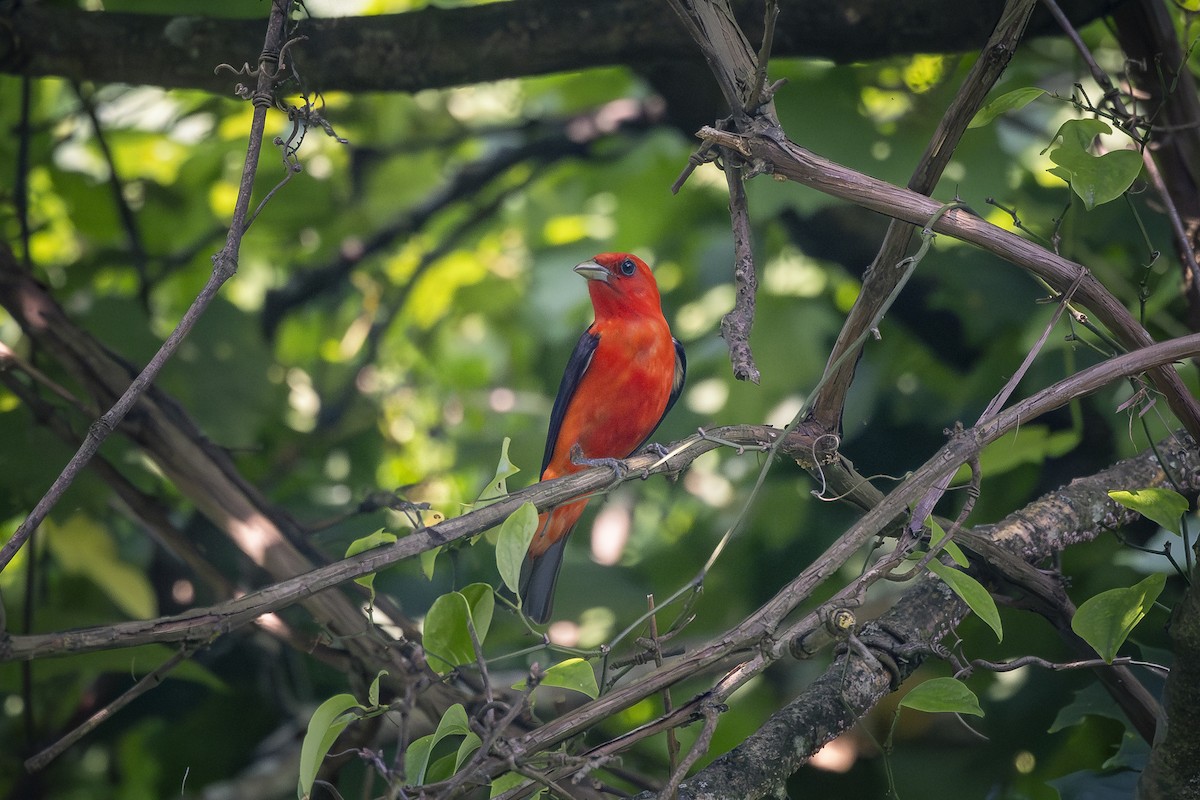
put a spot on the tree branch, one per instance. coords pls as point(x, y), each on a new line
point(436, 47)
point(884, 272)
point(852, 684)
point(788, 159)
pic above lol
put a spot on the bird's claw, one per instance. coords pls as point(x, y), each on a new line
point(657, 449)
point(615, 464)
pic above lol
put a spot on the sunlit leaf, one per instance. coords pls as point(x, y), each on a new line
point(373, 691)
point(972, 593)
point(1030, 444)
point(1164, 506)
point(83, 546)
point(1106, 620)
point(574, 674)
point(498, 486)
point(936, 535)
point(511, 780)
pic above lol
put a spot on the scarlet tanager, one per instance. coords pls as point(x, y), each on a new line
point(623, 377)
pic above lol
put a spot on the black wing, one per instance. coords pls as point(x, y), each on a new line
point(578, 364)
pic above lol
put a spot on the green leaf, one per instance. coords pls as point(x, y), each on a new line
point(1164, 506)
point(447, 639)
point(1106, 620)
point(1132, 753)
point(574, 674)
point(1009, 101)
point(1092, 700)
point(373, 692)
point(452, 723)
point(470, 743)
point(515, 535)
point(428, 557)
point(498, 487)
point(936, 535)
point(327, 722)
point(482, 600)
point(84, 547)
point(943, 695)
point(511, 780)
point(1096, 179)
point(972, 593)
point(416, 759)
point(369, 542)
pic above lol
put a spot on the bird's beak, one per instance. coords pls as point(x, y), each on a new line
point(593, 271)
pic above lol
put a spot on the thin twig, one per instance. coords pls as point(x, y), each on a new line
point(712, 713)
point(41, 760)
point(735, 326)
point(668, 706)
point(759, 91)
point(925, 507)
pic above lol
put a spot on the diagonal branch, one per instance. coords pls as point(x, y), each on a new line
point(853, 684)
point(788, 159)
point(883, 274)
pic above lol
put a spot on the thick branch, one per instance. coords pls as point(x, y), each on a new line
point(852, 684)
point(436, 47)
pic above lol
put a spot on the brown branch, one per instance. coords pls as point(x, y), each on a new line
point(853, 684)
point(794, 162)
point(884, 273)
point(435, 47)
point(207, 476)
point(148, 512)
point(201, 624)
point(735, 325)
point(758, 640)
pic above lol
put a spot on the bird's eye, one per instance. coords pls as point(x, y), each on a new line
point(627, 267)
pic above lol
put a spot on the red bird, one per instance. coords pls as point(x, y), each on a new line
point(624, 376)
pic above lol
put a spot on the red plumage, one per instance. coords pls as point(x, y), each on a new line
point(624, 375)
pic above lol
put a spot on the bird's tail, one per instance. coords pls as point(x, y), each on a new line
point(539, 572)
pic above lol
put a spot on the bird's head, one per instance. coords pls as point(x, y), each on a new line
point(620, 283)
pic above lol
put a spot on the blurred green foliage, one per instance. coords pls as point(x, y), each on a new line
point(414, 361)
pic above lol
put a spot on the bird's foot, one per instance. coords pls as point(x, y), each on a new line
point(615, 464)
point(657, 449)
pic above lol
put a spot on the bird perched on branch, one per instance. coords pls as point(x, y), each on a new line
point(623, 377)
